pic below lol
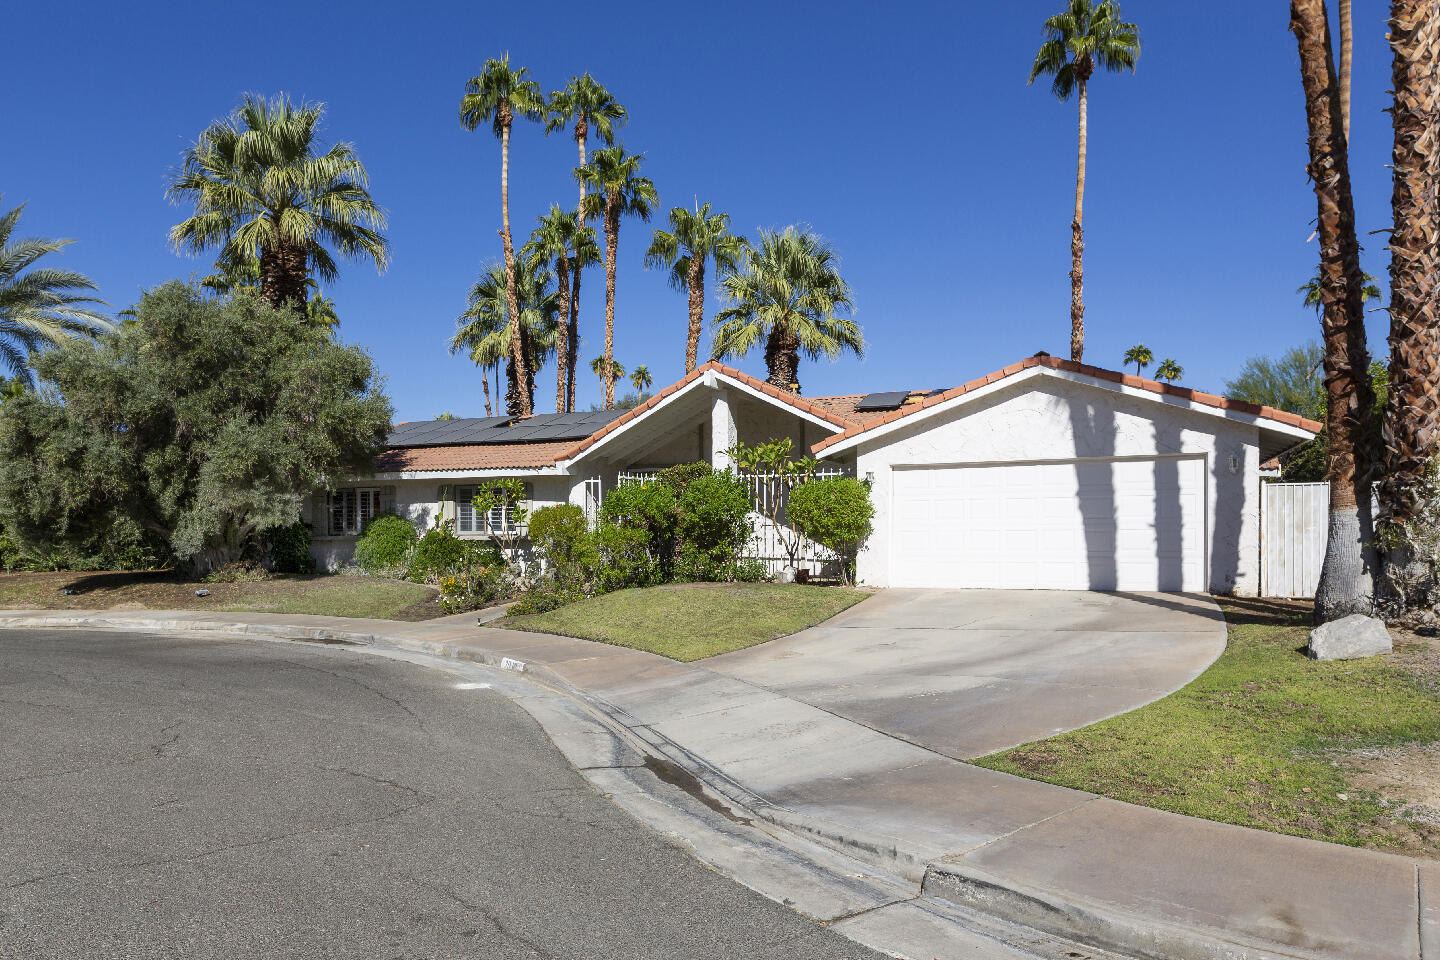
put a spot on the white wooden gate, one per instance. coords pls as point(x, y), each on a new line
point(1293, 521)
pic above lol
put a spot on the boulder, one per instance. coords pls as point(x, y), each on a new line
point(1349, 638)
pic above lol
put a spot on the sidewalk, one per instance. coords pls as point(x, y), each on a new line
point(1073, 864)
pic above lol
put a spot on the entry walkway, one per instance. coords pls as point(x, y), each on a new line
point(1151, 883)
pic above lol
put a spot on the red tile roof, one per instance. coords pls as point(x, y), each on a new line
point(1055, 363)
point(469, 457)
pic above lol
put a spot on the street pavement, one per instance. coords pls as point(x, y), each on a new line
point(172, 796)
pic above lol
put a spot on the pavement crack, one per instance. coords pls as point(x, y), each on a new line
point(502, 928)
point(158, 749)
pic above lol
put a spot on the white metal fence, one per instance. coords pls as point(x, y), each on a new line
point(1293, 521)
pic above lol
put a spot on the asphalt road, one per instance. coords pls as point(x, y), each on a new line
point(172, 797)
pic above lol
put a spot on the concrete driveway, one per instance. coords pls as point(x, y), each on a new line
point(970, 672)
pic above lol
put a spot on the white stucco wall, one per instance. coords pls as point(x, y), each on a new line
point(1047, 418)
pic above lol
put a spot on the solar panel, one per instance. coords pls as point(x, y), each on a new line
point(542, 427)
point(891, 400)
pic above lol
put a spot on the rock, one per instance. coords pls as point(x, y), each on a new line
point(1349, 638)
point(202, 593)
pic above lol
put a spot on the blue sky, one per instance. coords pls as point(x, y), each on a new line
point(905, 134)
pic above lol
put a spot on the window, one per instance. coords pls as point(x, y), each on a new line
point(350, 509)
point(468, 520)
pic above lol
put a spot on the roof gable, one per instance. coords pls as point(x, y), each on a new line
point(1112, 379)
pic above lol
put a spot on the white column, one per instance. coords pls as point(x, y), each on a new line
point(722, 429)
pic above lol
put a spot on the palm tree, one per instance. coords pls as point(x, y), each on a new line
point(1310, 291)
point(787, 293)
point(585, 103)
point(1084, 36)
point(320, 311)
point(41, 307)
point(1346, 577)
point(640, 379)
point(694, 238)
point(553, 238)
point(1347, 50)
point(620, 191)
point(261, 192)
point(585, 252)
point(1412, 414)
point(499, 94)
point(597, 367)
point(1169, 371)
point(1139, 355)
point(485, 330)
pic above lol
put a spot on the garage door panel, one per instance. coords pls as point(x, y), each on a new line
point(1065, 525)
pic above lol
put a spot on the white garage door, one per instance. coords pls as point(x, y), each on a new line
point(1061, 525)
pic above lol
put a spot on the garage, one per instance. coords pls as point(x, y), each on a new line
point(1134, 524)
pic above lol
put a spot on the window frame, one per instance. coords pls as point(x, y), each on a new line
point(354, 512)
point(495, 521)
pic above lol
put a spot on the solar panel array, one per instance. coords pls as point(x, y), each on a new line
point(541, 428)
point(891, 400)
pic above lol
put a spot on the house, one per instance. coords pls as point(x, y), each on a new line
point(1047, 474)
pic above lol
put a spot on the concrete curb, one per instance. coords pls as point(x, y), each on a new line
point(938, 880)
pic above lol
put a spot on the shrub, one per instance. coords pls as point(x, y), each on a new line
point(682, 475)
point(562, 537)
point(545, 596)
point(480, 579)
point(835, 513)
point(288, 548)
point(10, 555)
point(711, 526)
point(440, 553)
point(237, 571)
point(385, 544)
point(637, 535)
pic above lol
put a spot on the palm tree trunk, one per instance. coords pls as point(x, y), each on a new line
point(695, 281)
point(782, 359)
point(1412, 416)
point(284, 269)
point(572, 348)
point(1077, 240)
point(582, 134)
point(1347, 49)
point(1347, 575)
point(517, 347)
point(485, 382)
point(612, 245)
point(562, 336)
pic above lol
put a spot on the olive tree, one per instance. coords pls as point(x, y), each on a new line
point(205, 421)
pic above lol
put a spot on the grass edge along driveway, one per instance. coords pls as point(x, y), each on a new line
point(1264, 738)
point(691, 621)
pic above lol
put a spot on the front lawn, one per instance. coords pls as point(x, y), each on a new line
point(1268, 738)
point(690, 621)
point(333, 596)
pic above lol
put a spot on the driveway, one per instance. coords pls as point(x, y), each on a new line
point(969, 672)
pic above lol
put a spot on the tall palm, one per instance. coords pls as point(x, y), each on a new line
point(1140, 355)
point(694, 238)
point(1346, 577)
point(1310, 291)
point(1169, 371)
point(1412, 414)
point(553, 239)
point(1085, 35)
point(485, 330)
point(585, 252)
point(640, 379)
point(598, 366)
point(787, 292)
point(585, 103)
point(39, 306)
point(1347, 51)
point(261, 190)
point(620, 191)
point(499, 94)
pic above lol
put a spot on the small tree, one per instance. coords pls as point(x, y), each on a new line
point(836, 513)
point(774, 474)
point(507, 495)
point(205, 422)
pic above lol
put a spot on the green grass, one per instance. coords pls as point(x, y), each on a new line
point(1259, 739)
point(345, 597)
point(693, 620)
